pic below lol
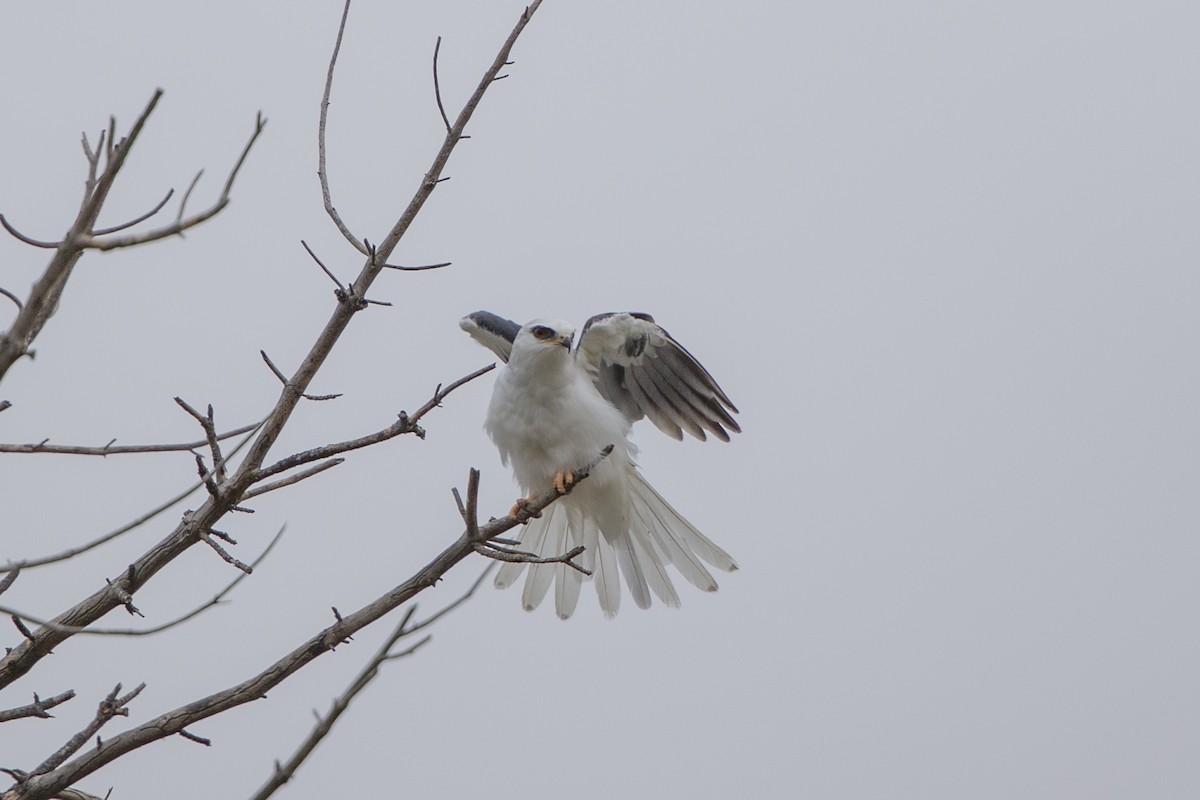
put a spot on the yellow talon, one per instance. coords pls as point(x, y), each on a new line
point(563, 481)
point(522, 507)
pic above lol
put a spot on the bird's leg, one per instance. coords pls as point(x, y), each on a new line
point(521, 507)
point(563, 481)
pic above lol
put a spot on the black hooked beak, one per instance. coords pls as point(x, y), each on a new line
point(566, 341)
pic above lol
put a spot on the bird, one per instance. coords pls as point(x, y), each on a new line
point(555, 408)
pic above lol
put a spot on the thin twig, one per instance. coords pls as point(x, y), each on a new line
point(324, 268)
point(188, 195)
point(225, 555)
point(321, 171)
point(16, 620)
point(283, 379)
point(421, 268)
point(498, 552)
point(12, 297)
point(437, 87)
point(111, 706)
point(210, 433)
point(16, 234)
point(111, 449)
point(288, 481)
point(523, 557)
point(257, 686)
point(471, 511)
point(38, 708)
point(44, 297)
point(136, 220)
point(76, 794)
point(71, 552)
point(197, 739)
point(215, 600)
point(404, 424)
point(26, 655)
point(182, 224)
point(285, 771)
point(8, 579)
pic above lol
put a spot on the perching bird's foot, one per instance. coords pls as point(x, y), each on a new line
point(563, 481)
point(520, 510)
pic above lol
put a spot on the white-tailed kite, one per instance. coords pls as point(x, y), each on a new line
point(554, 410)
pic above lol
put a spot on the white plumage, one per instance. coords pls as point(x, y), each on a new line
point(553, 411)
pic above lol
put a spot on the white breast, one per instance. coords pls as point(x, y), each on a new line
point(546, 416)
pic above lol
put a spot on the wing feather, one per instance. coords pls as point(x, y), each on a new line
point(671, 400)
point(492, 331)
point(658, 414)
point(640, 368)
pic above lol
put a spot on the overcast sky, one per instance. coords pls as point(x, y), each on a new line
point(942, 255)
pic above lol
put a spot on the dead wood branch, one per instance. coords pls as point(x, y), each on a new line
point(215, 600)
point(112, 449)
point(195, 524)
point(111, 706)
point(71, 552)
point(38, 708)
point(82, 235)
point(257, 687)
point(322, 173)
point(404, 424)
point(181, 222)
point(284, 771)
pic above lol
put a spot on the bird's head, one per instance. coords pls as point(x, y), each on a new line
point(542, 337)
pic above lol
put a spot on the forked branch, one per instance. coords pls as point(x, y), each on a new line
point(257, 687)
point(285, 770)
point(83, 234)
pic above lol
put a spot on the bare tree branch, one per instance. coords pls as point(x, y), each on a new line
point(8, 579)
point(437, 85)
point(111, 706)
point(324, 269)
point(182, 224)
point(288, 481)
point(38, 708)
point(172, 722)
point(524, 557)
point(283, 378)
point(321, 171)
point(420, 268)
point(215, 600)
point(497, 551)
point(404, 424)
point(71, 552)
point(43, 298)
point(10, 295)
point(75, 794)
point(16, 234)
point(209, 425)
point(136, 220)
point(111, 449)
point(200, 523)
point(225, 555)
point(286, 770)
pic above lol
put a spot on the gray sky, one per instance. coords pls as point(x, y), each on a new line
point(942, 256)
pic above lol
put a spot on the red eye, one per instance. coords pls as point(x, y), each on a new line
point(542, 332)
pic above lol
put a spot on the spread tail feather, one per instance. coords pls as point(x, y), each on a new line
point(658, 536)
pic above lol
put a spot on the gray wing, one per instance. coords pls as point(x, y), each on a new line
point(492, 331)
point(639, 368)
